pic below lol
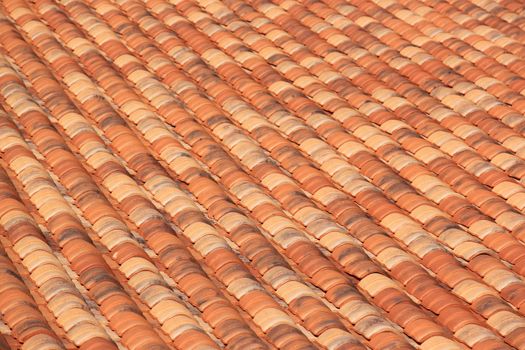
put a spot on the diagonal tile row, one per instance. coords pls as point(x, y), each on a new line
point(199, 174)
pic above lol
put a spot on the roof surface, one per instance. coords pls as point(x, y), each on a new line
point(199, 174)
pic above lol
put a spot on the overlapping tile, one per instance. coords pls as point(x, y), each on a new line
point(199, 174)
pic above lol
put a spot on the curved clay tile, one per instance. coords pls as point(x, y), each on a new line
point(262, 174)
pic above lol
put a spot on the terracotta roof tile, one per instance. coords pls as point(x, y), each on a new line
point(200, 174)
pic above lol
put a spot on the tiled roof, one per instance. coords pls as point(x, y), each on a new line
point(261, 174)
